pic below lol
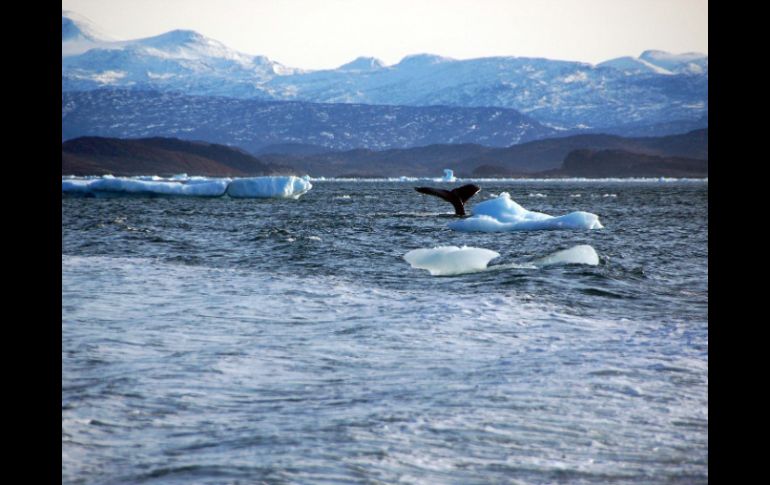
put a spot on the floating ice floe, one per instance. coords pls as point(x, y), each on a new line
point(118, 185)
point(181, 185)
point(75, 186)
point(450, 260)
point(581, 254)
point(268, 187)
point(503, 214)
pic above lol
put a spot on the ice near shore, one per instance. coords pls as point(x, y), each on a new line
point(182, 185)
point(502, 214)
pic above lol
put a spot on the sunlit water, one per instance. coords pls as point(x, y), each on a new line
point(218, 341)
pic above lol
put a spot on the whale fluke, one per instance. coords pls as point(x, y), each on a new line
point(457, 197)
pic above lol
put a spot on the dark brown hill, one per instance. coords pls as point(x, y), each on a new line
point(481, 161)
point(160, 156)
point(620, 163)
point(549, 154)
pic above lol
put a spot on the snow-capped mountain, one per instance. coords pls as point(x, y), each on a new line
point(634, 65)
point(79, 34)
point(655, 88)
point(688, 63)
point(659, 62)
point(75, 27)
point(559, 93)
point(362, 64)
point(179, 60)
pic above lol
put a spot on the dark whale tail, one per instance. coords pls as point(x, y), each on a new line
point(457, 197)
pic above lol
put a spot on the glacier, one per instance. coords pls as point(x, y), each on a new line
point(502, 214)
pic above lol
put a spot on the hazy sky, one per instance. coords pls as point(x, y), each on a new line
point(319, 34)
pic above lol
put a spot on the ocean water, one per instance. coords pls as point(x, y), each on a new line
point(223, 341)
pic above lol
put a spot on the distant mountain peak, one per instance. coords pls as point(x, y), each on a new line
point(79, 34)
point(658, 54)
point(632, 64)
point(423, 60)
point(660, 62)
point(75, 27)
point(175, 37)
point(363, 64)
point(686, 63)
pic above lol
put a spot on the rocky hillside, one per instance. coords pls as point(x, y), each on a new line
point(160, 156)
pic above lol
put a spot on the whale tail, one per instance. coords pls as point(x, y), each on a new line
point(457, 197)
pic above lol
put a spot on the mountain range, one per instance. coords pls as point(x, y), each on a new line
point(473, 160)
point(656, 89)
point(254, 125)
point(583, 155)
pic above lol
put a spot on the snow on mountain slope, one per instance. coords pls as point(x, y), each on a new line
point(655, 88)
point(634, 65)
point(77, 27)
point(688, 63)
point(362, 64)
point(180, 60)
point(79, 34)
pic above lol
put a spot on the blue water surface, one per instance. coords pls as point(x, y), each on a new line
point(215, 341)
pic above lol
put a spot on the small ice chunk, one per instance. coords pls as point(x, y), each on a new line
point(581, 254)
point(267, 187)
point(503, 214)
point(450, 260)
point(449, 176)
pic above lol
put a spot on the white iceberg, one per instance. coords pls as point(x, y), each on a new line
point(503, 214)
point(76, 186)
point(449, 176)
point(581, 254)
point(119, 185)
point(194, 186)
point(266, 187)
point(450, 260)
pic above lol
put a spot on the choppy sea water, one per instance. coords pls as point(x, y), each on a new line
point(222, 341)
